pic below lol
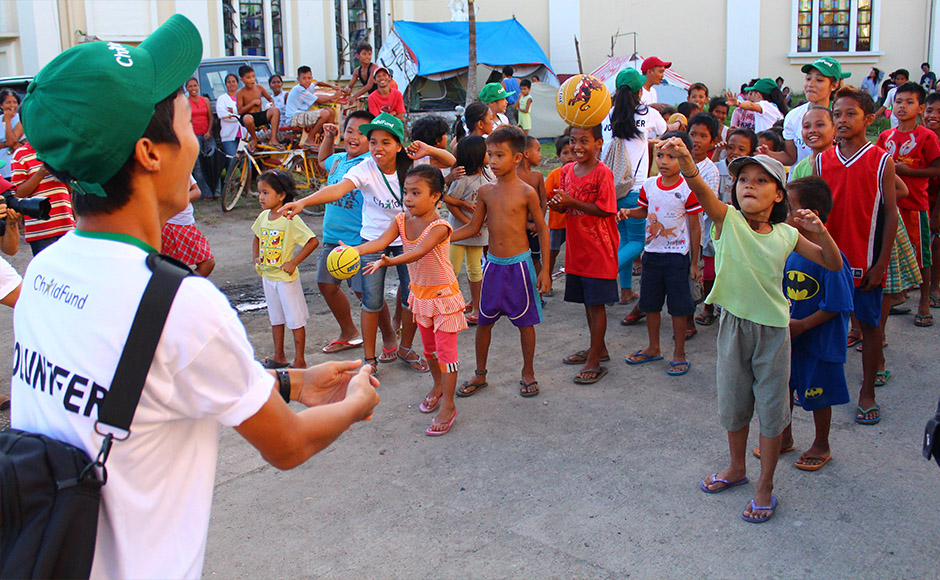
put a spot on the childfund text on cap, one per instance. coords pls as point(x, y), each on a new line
point(121, 55)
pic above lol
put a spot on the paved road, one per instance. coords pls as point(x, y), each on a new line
point(596, 482)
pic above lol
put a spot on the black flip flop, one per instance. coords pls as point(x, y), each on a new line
point(601, 373)
point(525, 392)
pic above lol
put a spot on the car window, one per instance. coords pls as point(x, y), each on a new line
point(212, 81)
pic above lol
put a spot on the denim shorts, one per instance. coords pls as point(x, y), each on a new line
point(373, 285)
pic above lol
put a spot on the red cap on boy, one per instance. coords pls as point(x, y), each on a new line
point(653, 61)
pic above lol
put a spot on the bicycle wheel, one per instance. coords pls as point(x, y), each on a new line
point(301, 175)
point(237, 182)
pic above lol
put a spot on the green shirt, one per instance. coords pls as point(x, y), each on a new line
point(749, 270)
point(802, 169)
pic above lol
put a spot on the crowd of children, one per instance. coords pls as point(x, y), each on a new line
point(797, 234)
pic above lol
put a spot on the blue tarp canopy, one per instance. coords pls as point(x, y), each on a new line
point(440, 47)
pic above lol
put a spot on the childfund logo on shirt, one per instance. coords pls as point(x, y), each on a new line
point(61, 292)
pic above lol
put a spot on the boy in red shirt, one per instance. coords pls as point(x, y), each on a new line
point(385, 99)
point(916, 154)
point(30, 178)
point(932, 122)
point(589, 200)
point(863, 222)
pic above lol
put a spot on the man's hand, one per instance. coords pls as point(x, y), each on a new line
point(695, 273)
point(330, 129)
point(544, 284)
point(337, 381)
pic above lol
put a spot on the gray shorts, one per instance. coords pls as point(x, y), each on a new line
point(753, 374)
point(324, 276)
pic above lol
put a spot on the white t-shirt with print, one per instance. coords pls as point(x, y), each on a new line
point(651, 125)
point(667, 223)
point(769, 114)
point(229, 128)
point(380, 202)
point(793, 131)
point(71, 323)
point(889, 104)
point(9, 278)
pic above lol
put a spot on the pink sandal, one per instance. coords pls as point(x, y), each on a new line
point(433, 433)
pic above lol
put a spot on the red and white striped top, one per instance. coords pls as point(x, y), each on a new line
point(61, 220)
point(435, 293)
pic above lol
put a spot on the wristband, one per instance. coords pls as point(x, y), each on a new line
point(283, 383)
point(687, 176)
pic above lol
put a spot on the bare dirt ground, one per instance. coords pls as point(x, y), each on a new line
point(593, 481)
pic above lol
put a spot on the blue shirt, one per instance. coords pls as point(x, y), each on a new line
point(512, 86)
point(299, 100)
point(811, 287)
point(342, 221)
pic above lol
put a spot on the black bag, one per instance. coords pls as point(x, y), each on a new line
point(49, 490)
point(932, 437)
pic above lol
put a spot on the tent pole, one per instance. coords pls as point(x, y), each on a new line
point(577, 50)
point(472, 61)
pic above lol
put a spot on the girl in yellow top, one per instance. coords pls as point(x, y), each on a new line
point(752, 244)
point(435, 298)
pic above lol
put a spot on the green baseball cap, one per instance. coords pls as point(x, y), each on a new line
point(385, 122)
point(630, 78)
point(765, 86)
point(492, 92)
point(828, 66)
point(85, 110)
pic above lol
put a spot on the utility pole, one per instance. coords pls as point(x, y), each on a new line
point(472, 64)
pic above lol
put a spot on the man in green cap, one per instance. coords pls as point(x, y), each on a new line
point(495, 95)
point(111, 121)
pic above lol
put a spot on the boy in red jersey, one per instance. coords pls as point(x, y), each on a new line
point(589, 200)
point(863, 223)
point(916, 154)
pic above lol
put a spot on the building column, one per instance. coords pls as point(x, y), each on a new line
point(34, 19)
point(564, 24)
point(742, 42)
point(933, 35)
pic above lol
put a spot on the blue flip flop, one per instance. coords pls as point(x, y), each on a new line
point(675, 373)
point(728, 484)
point(772, 507)
point(860, 416)
point(647, 358)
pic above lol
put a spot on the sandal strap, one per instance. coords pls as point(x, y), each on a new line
point(483, 372)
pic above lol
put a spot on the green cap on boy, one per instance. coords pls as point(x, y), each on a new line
point(85, 111)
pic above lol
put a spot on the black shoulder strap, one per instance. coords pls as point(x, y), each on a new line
point(119, 405)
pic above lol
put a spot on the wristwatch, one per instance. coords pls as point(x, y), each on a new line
point(283, 384)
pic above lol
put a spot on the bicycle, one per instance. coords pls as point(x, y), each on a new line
point(247, 165)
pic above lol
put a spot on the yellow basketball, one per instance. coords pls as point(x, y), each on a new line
point(343, 262)
point(583, 101)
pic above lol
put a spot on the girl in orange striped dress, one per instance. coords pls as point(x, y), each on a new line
point(435, 299)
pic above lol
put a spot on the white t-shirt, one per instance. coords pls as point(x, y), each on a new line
point(186, 217)
point(648, 97)
point(769, 114)
point(380, 202)
point(299, 100)
point(793, 130)
point(709, 172)
point(9, 278)
point(651, 125)
point(71, 323)
point(229, 130)
point(280, 103)
point(889, 104)
point(667, 223)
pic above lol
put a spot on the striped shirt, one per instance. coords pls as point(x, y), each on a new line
point(435, 299)
point(61, 220)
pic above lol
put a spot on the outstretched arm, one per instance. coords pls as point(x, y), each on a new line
point(419, 149)
point(325, 195)
point(714, 207)
point(435, 237)
point(379, 244)
point(476, 222)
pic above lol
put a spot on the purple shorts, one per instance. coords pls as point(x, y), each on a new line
point(509, 289)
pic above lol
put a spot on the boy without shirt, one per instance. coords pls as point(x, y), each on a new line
point(509, 281)
point(531, 157)
point(248, 99)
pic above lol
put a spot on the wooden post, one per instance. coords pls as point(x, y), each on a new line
point(472, 61)
point(577, 50)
